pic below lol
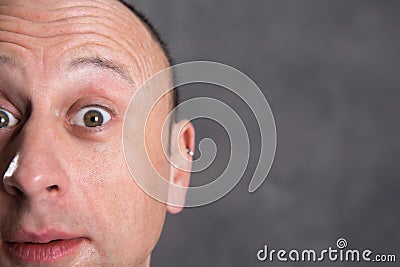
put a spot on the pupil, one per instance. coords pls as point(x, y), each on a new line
point(4, 119)
point(93, 118)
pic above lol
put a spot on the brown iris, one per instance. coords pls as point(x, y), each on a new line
point(4, 119)
point(93, 118)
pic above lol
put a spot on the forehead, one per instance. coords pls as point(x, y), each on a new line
point(51, 33)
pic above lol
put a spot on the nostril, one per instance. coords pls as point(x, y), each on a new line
point(52, 188)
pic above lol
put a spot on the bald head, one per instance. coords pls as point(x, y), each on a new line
point(47, 23)
point(68, 72)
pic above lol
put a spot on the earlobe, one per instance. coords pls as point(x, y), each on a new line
point(182, 141)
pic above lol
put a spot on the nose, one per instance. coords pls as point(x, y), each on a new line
point(35, 169)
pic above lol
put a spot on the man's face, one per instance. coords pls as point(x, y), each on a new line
point(68, 71)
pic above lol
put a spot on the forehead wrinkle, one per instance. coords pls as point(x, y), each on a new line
point(61, 15)
point(74, 18)
point(120, 41)
point(112, 27)
point(45, 14)
point(51, 4)
point(53, 31)
point(7, 38)
point(117, 23)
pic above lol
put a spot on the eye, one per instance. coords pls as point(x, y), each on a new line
point(91, 117)
point(7, 119)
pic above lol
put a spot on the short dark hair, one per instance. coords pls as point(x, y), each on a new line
point(157, 36)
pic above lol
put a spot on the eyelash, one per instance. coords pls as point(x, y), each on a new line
point(108, 109)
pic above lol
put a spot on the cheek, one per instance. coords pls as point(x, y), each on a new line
point(121, 214)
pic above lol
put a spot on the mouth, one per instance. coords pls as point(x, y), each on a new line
point(47, 248)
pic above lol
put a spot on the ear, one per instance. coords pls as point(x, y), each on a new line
point(182, 138)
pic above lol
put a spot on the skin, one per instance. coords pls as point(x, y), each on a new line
point(69, 177)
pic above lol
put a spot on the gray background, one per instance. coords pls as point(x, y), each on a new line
point(330, 71)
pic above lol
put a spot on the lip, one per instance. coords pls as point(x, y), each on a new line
point(47, 247)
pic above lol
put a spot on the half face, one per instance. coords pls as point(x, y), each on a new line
point(68, 71)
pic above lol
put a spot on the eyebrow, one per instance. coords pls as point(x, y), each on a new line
point(102, 63)
point(4, 59)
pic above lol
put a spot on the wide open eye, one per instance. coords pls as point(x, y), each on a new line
point(7, 119)
point(91, 117)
